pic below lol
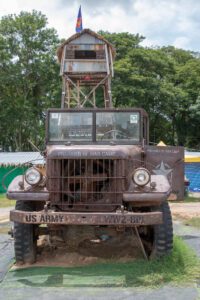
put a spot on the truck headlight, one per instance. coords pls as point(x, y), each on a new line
point(33, 176)
point(141, 176)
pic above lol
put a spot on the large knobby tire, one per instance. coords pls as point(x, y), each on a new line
point(163, 234)
point(25, 239)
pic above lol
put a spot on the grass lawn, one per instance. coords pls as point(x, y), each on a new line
point(182, 267)
point(4, 202)
point(195, 221)
point(187, 199)
point(191, 199)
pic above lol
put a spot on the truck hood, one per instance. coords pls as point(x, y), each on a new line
point(93, 151)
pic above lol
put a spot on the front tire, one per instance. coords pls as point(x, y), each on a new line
point(25, 239)
point(158, 239)
point(163, 234)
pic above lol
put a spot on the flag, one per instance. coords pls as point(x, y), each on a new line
point(79, 25)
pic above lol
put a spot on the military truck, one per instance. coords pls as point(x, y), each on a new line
point(100, 171)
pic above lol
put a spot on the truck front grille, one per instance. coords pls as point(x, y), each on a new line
point(86, 183)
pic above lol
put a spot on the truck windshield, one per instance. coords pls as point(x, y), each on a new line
point(70, 126)
point(117, 126)
point(78, 126)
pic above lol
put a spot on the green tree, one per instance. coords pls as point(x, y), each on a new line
point(164, 81)
point(187, 80)
point(29, 80)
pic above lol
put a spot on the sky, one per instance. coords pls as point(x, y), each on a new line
point(161, 22)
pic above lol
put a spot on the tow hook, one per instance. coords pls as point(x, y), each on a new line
point(46, 206)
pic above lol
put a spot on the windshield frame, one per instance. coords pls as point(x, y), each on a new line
point(142, 114)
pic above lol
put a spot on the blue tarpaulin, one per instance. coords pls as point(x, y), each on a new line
point(192, 172)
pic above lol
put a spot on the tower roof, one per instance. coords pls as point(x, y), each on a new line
point(76, 35)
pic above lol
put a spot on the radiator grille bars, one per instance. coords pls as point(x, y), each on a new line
point(78, 182)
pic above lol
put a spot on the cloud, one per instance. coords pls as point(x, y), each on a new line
point(181, 42)
point(162, 22)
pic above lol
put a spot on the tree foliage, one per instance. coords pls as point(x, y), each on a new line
point(29, 81)
point(164, 81)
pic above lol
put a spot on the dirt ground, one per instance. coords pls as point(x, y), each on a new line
point(185, 210)
point(119, 248)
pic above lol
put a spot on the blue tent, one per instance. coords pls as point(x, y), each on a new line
point(192, 170)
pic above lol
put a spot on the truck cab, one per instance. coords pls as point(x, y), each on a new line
point(92, 155)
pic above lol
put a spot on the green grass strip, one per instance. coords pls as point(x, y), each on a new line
point(179, 268)
point(4, 202)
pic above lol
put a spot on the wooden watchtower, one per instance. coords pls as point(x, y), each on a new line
point(86, 60)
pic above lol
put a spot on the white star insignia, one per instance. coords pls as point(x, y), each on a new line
point(162, 169)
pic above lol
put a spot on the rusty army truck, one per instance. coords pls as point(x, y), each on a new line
point(100, 170)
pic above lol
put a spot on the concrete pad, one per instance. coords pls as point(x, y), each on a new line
point(189, 234)
point(6, 254)
point(81, 293)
